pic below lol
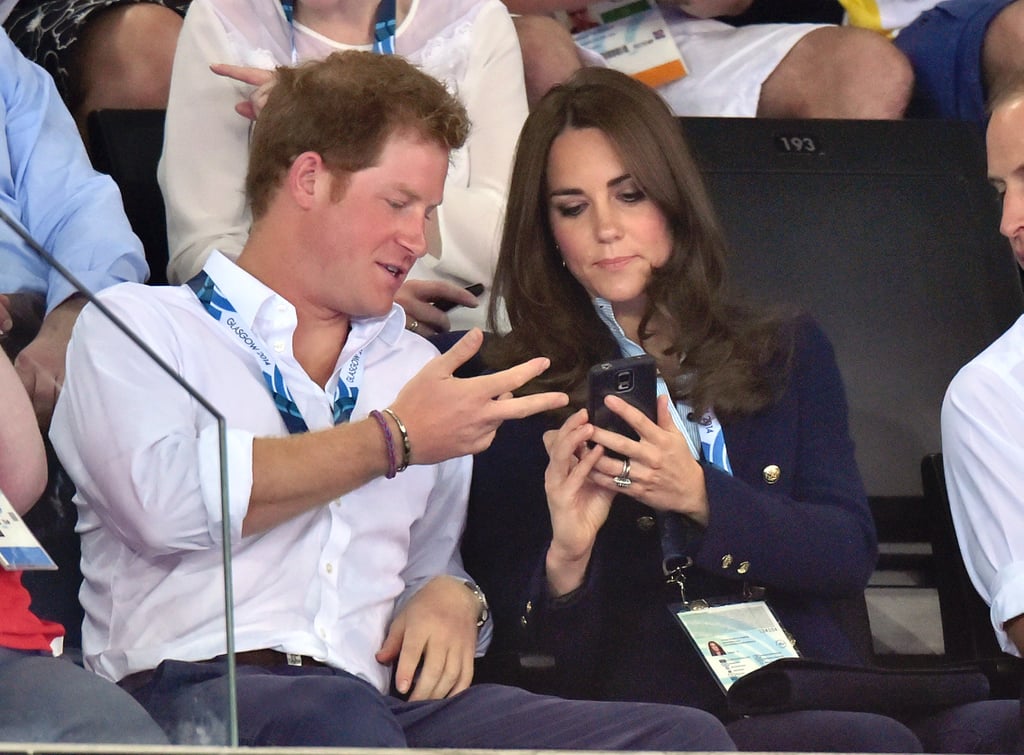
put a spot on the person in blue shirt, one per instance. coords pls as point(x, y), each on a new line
point(48, 185)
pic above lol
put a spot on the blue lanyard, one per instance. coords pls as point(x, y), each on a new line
point(383, 29)
point(708, 443)
point(706, 433)
point(222, 310)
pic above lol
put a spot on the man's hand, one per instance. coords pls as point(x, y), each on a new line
point(437, 628)
point(40, 365)
point(448, 416)
point(445, 417)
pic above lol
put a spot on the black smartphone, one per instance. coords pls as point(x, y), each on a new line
point(634, 380)
point(444, 304)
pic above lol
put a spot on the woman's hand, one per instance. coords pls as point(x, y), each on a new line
point(417, 298)
point(578, 506)
point(260, 78)
point(662, 471)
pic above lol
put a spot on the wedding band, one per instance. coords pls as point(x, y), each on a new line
point(413, 325)
point(623, 480)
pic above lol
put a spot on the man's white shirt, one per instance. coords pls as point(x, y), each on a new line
point(983, 454)
point(144, 456)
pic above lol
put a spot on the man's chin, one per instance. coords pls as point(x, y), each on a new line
point(374, 312)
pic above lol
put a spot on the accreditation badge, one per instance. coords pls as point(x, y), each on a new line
point(734, 639)
point(630, 36)
point(19, 549)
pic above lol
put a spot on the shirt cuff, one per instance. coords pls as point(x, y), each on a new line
point(1007, 601)
point(239, 474)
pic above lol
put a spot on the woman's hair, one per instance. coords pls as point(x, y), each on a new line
point(730, 355)
point(345, 108)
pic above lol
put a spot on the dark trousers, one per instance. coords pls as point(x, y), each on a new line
point(988, 726)
point(321, 707)
point(47, 699)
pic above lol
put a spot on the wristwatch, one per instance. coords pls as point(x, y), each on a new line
point(485, 610)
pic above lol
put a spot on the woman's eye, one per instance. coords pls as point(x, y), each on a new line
point(633, 196)
point(569, 210)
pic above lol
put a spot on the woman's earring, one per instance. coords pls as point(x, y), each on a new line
point(559, 250)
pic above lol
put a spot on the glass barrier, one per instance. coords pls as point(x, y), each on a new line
point(55, 585)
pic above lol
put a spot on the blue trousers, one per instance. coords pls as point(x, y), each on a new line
point(989, 726)
point(986, 726)
point(47, 699)
point(321, 707)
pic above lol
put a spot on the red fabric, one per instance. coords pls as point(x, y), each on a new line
point(21, 629)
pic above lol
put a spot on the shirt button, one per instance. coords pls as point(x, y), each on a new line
point(771, 474)
point(645, 523)
point(726, 561)
point(743, 568)
point(329, 568)
point(323, 633)
point(282, 307)
point(279, 346)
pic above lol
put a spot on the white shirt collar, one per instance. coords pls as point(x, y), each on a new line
point(264, 310)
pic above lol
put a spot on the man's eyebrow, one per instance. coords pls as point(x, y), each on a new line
point(413, 195)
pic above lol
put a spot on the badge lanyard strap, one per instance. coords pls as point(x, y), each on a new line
point(708, 443)
point(704, 437)
point(383, 28)
point(345, 393)
point(676, 531)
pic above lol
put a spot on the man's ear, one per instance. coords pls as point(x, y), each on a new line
point(307, 177)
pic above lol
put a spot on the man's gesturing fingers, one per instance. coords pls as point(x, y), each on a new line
point(448, 416)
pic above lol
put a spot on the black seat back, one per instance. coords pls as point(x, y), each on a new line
point(887, 232)
point(127, 144)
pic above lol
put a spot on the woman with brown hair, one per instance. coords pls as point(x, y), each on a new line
point(743, 491)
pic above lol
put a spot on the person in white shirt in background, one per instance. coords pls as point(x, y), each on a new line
point(471, 45)
point(784, 70)
point(983, 414)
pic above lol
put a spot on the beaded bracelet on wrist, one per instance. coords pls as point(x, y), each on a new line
point(406, 448)
point(389, 442)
